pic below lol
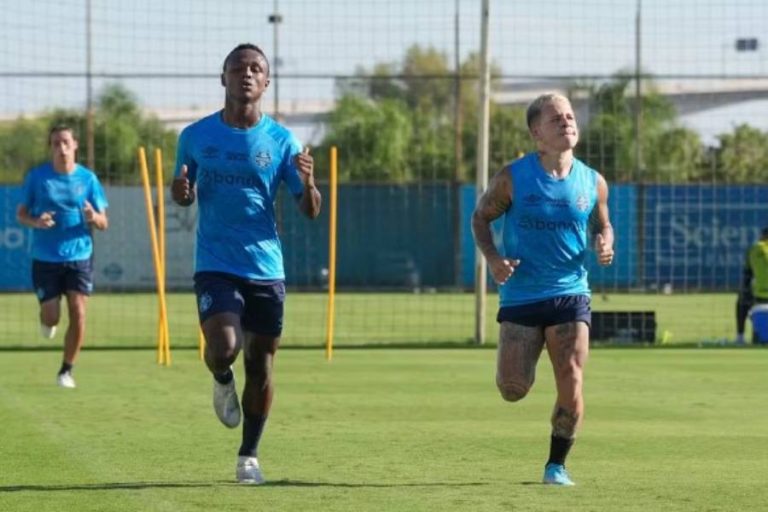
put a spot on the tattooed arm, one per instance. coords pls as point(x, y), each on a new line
point(496, 200)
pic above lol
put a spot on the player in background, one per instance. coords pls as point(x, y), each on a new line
point(232, 162)
point(549, 201)
point(62, 201)
point(754, 283)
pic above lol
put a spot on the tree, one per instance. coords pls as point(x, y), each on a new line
point(509, 136)
point(22, 146)
point(743, 155)
point(670, 153)
point(373, 138)
point(119, 128)
point(422, 90)
point(427, 80)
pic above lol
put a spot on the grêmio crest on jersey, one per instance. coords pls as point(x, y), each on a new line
point(582, 203)
point(262, 159)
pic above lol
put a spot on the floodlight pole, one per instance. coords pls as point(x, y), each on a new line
point(458, 152)
point(637, 129)
point(89, 135)
point(481, 182)
point(638, 91)
point(275, 19)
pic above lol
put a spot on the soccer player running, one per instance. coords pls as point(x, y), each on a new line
point(548, 200)
point(62, 201)
point(233, 162)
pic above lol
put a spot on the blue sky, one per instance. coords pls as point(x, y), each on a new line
point(186, 41)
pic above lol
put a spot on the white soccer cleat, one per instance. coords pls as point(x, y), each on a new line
point(226, 404)
point(248, 471)
point(65, 380)
point(47, 332)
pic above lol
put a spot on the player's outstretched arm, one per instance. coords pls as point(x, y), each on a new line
point(310, 201)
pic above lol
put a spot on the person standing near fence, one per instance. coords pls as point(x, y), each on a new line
point(549, 200)
point(232, 162)
point(754, 283)
point(62, 201)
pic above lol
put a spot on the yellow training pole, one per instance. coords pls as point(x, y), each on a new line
point(153, 238)
point(331, 257)
point(201, 344)
point(160, 280)
point(163, 321)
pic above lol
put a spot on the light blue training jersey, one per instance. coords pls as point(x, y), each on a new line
point(237, 173)
point(45, 190)
point(546, 229)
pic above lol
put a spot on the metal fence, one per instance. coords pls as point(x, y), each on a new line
point(671, 98)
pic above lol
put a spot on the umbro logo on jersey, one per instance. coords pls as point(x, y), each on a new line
point(210, 152)
point(582, 203)
point(532, 199)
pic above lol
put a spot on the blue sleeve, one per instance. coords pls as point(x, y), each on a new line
point(28, 192)
point(290, 171)
point(97, 197)
point(183, 157)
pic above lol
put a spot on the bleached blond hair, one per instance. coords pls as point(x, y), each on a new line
point(534, 109)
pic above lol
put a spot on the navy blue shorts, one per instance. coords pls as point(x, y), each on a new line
point(52, 279)
point(259, 304)
point(546, 313)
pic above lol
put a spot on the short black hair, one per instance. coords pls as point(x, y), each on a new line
point(61, 127)
point(245, 46)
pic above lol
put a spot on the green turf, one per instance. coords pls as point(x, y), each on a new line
point(120, 320)
point(382, 429)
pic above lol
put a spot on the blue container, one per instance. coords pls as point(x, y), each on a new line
point(759, 315)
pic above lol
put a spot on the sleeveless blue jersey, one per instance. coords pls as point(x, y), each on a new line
point(237, 173)
point(546, 229)
point(64, 194)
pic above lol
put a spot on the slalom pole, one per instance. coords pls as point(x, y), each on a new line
point(153, 238)
point(331, 256)
point(163, 321)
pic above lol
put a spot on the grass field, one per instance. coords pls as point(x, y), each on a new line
point(383, 429)
point(123, 320)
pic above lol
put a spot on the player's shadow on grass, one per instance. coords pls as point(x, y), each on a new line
point(181, 485)
point(301, 483)
point(104, 486)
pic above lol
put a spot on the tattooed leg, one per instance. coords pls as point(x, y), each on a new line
point(517, 355)
point(564, 423)
point(568, 347)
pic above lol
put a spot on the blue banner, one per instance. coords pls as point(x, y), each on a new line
point(696, 236)
point(15, 240)
point(402, 236)
point(622, 206)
